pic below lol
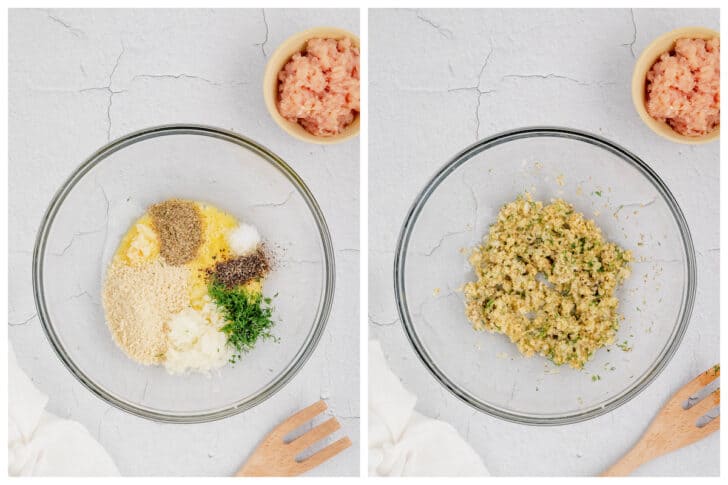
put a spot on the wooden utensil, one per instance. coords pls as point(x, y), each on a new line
point(674, 426)
point(275, 457)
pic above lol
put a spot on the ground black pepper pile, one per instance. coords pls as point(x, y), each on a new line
point(241, 269)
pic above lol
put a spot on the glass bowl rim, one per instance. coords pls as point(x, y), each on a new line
point(324, 304)
point(610, 404)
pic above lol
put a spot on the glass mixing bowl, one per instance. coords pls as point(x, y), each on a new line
point(108, 192)
point(603, 181)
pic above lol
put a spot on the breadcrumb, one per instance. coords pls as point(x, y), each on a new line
point(546, 278)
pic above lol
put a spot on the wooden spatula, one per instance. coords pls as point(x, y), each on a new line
point(674, 426)
point(275, 457)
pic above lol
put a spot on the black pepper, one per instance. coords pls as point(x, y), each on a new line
point(241, 269)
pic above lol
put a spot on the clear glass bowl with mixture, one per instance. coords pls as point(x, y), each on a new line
point(603, 181)
point(97, 205)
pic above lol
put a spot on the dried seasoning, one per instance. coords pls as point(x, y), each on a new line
point(241, 269)
point(179, 226)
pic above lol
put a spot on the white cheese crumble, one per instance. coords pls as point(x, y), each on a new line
point(194, 341)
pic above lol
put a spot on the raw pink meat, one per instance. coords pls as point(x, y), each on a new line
point(319, 88)
point(683, 87)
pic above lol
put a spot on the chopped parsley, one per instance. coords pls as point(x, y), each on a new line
point(624, 346)
point(248, 317)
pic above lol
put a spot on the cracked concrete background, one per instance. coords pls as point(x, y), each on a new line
point(442, 79)
point(79, 78)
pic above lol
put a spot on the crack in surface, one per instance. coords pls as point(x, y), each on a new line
point(79, 295)
point(347, 250)
point(111, 94)
point(513, 392)
point(636, 204)
point(267, 31)
point(106, 223)
point(476, 204)
point(442, 240)
point(480, 92)
point(73, 239)
point(277, 204)
point(144, 392)
point(446, 33)
point(634, 34)
point(175, 76)
point(24, 322)
point(556, 76)
point(71, 29)
point(380, 323)
point(110, 91)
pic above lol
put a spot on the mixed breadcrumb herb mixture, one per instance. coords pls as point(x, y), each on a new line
point(546, 278)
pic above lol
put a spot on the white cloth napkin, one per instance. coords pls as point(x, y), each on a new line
point(40, 443)
point(402, 442)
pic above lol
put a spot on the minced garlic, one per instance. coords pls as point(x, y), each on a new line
point(144, 245)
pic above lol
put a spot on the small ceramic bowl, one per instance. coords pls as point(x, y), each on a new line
point(278, 60)
point(664, 43)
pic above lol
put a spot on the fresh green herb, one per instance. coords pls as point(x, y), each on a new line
point(597, 193)
point(624, 346)
point(248, 316)
point(596, 377)
point(490, 304)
